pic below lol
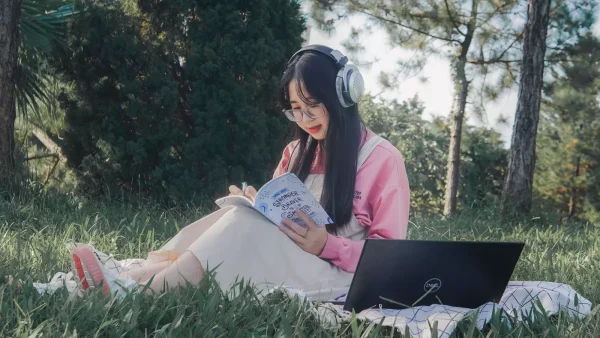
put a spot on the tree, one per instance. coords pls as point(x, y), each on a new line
point(176, 99)
point(424, 146)
point(478, 37)
point(518, 184)
point(10, 12)
point(567, 168)
point(27, 30)
point(474, 36)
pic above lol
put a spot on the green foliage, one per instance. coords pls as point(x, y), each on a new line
point(480, 39)
point(176, 98)
point(424, 145)
point(568, 158)
point(41, 25)
point(35, 226)
point(486, 33)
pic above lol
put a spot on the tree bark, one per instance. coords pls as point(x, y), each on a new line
point(461, 91)
point(575, 192)
point(10, 11)
point(518, 183)
point(458, 114)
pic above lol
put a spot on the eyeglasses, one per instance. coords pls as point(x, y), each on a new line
point(312, 112)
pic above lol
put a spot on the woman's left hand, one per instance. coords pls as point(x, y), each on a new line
point(311, 239)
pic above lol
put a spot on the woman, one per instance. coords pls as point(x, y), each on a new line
point(359, 178)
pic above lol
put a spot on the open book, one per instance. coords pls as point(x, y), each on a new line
point(279, 199)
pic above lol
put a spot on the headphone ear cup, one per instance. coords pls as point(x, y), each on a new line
point(339, 88)
point(355, 85)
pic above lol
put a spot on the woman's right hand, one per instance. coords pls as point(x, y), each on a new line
point(250, 192)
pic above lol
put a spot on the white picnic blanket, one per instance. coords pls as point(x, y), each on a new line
point(519, 300)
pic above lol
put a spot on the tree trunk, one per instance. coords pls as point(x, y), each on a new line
point(461, 91)
point(458, 113)
point(517, 190)
point(575, 192)
point(10, 11)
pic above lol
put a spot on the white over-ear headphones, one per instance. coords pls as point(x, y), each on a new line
point(349, 83)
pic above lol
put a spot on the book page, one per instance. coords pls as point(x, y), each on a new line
point(281, 197)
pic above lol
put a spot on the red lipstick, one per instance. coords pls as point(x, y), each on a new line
point(314, 129)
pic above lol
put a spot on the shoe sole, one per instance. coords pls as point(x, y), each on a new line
point(84, 257)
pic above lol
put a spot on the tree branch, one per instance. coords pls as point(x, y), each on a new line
point(452, 18)
point(551, 104)
point(37, 157)
point(466, 44)
point(487, 62)
point(512, 76)
point(41, 135)
point(491, 15)
point(51, 170)
point(497, 59)
point(408, 27)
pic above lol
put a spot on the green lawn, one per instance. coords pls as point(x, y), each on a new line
point(35, 229)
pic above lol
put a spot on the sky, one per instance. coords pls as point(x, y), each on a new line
point(433, 85)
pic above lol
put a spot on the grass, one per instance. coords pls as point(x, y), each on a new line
point(35, 228)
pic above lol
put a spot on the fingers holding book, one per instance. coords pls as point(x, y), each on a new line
point(311, 239)
point(250, 192)
point(297, 229)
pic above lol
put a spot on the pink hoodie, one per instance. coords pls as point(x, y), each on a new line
point(381, 201)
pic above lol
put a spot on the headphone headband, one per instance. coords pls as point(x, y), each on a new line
point(349, 83)
point(340, 59)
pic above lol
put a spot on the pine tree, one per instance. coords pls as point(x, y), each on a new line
point(518, 184)
point(567, 172)
point(10, 11)
point(28, 28)
point(178, 98)
point(544, 23)
point(424, 146)
point(477, 37)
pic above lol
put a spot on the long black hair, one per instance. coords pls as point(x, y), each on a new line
point(314, 75)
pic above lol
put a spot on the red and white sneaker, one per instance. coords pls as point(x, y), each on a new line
point(93, 267)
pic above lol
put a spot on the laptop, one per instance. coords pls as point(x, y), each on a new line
point(396, 274)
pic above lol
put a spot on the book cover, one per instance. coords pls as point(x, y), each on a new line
point(280, 198)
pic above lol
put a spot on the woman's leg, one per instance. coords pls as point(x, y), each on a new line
point(187, 236)
point(172, 263)
point(246, 245)
point(185, 269)
point(145, 272)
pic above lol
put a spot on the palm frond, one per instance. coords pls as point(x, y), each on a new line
point(42, 24)
point(31, 88)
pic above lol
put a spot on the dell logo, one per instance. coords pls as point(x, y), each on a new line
point(433, 285)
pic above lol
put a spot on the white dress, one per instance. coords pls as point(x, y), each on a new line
point(237, 243)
